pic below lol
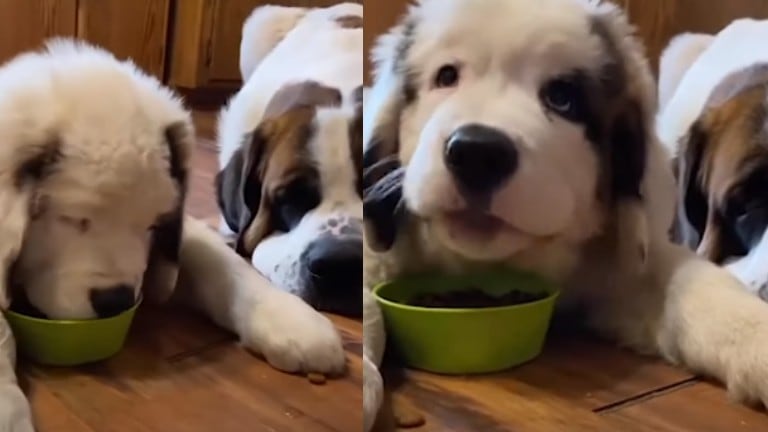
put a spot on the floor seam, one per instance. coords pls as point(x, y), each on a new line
point(193, 352)
point(646, 396)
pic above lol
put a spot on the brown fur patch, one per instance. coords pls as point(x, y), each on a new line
point(350, 21)
point(725, 145)
point(308, 94)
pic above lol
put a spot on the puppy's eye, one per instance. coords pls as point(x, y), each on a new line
point(292, 202)
point(81, 224)
point(563, 97)
point(447, 76)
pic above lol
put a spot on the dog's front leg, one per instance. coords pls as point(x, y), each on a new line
point(15, 415)
point(373, 350)
point(290, 334)
point(700, 316)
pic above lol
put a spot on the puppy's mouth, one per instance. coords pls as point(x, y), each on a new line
point(476, 225)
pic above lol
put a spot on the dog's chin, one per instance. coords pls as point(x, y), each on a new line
point(478, 236)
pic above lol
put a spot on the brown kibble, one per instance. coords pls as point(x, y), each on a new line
point(316, 378)
point(409, 420)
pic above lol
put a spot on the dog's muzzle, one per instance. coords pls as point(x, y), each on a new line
point(480, 159)
point(333, 269)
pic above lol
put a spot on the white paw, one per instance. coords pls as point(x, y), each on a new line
point(294, 337)
point(747, 378)
point(15, 415)
point(373, 393)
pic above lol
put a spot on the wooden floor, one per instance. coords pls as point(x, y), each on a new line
point(577, 385)
point(179, 373)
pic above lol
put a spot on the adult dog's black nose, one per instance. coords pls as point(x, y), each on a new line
point(480, 158)
point(334, 269)
point(108, 302)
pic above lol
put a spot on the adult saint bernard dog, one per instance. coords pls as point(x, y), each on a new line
point(714, 120)
point(291, 149)
point(503, 131)
point(94, 165)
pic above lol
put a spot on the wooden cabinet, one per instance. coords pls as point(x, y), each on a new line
point(206, 36)
point(24, 24)
point(132, 28)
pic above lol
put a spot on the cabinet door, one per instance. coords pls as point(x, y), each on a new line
point(135, 29)
point(25, 24)
point(380, 16)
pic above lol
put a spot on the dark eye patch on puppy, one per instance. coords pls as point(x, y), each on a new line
point(744, 213)
point(290, 202)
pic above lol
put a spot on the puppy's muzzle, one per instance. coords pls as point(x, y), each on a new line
point(334, 273)
point(112, 301)
point(480, 159)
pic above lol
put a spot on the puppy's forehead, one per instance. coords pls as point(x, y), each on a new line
point(548, 31)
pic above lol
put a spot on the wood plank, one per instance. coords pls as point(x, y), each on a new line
point(222, 388)
point(702, 407)
point(24, 25)
point(135, 29)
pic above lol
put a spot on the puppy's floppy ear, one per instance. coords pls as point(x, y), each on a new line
point(162, 270)
point(693, 205)
point(24, 167)
point(384, 103)
point(245, 204)
point(629, 88)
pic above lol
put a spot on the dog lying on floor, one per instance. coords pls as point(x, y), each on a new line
point(289, 188)
point(93, 174)
point(507, 132)
point(713, 120)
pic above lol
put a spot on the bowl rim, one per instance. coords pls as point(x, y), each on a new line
point(118, 317)
point(554, 293)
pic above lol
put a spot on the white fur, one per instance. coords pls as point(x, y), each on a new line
point(108, 120)
point(675, 305)
point(737, 46)
point(315, 48)
point(681, 52)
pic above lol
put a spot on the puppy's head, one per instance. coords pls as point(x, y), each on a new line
point(94, 175)
point(291, 192)
point(519, 125)
point(723, 175)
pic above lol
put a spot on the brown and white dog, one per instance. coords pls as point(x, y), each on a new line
point(524, 135)
point(291, 152)
point(94, 161)
point(715, 122)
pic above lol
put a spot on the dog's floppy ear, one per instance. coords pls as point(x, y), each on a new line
point(630, 96)
point(162, 271)
point(384, 103)
point(693, 206)
point(20, 173)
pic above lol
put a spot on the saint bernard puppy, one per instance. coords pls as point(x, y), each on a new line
point(715, 122)
point(503, 131)
point(290, 141)
point(94, 164)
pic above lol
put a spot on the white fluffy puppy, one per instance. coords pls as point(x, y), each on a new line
point(93, 173)
point(289, 187)
point(525, 134)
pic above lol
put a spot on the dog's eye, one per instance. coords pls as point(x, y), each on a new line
point(563, 97)
point(447, 76)
point(81, 224)
point(293, 201)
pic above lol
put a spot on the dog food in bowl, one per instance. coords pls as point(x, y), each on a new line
point(475, 298)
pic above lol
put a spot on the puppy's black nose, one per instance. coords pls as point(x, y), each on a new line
point(480, 158)
point(334, 269)
point(108, 302)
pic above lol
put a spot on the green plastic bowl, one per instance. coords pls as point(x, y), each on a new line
point(466, 341)
point(70, 342)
